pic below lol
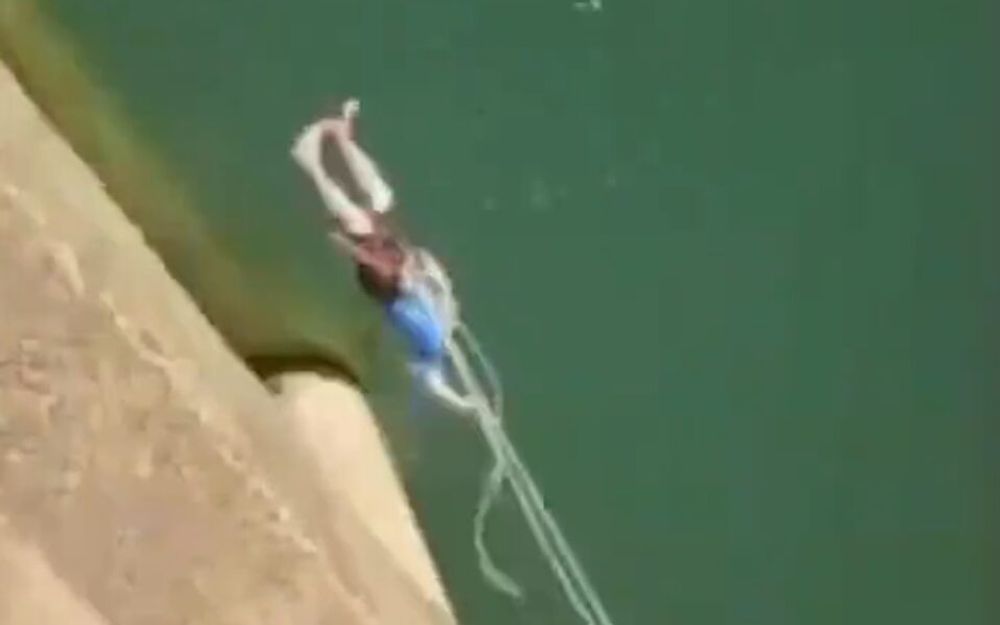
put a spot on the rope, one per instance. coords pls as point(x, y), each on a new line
point(493, 480)
point(431, 280)
point(508, 464)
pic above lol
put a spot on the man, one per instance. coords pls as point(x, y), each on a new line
point(384, 261)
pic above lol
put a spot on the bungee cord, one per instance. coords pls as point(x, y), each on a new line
point(430, 281)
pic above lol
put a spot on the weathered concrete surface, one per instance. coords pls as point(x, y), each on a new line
point(30, 591)
point(352, 455)
point(145, 475)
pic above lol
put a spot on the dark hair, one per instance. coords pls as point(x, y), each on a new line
point(381, 271)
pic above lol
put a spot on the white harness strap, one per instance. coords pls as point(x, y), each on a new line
point(424, 276)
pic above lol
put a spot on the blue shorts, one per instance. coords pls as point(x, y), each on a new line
point(416, 322)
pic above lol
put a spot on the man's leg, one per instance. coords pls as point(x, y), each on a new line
point(434, 382)
point(362, 167)
point(306, 152)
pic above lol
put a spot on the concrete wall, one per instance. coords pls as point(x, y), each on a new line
point(145, 475)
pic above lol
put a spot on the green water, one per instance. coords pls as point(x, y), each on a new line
point(737, 262)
